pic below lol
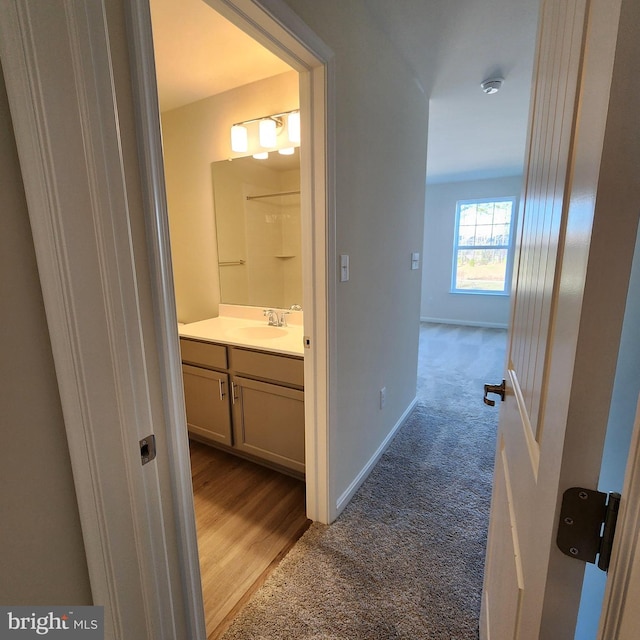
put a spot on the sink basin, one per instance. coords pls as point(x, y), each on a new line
point(263, 332)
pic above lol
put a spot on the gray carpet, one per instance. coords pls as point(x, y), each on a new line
point(405, 559)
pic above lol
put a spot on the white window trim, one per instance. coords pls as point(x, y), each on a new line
point(509, 247)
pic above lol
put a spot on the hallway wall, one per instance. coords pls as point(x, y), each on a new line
point(41, 548)
point(380, 142)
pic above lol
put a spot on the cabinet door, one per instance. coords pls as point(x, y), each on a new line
point(269, 422)
point(206, 395)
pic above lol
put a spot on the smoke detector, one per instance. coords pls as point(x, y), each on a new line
point(492, 85)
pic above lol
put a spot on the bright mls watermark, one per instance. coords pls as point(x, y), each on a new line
point(23, 623)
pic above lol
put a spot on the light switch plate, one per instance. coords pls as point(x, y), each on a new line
point(415, 260)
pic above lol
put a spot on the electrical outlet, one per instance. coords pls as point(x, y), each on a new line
point(383, 397)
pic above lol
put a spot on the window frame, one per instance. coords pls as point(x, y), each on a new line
point(509, 247)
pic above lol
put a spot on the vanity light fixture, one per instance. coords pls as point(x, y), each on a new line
point(268, 129)
point(287, 151)
point(263, 155)
point(239, 138)
point(293, 126)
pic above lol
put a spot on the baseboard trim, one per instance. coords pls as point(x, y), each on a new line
point(345, 498)
point(465, 323)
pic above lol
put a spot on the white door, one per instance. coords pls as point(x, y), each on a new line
point(576, 239)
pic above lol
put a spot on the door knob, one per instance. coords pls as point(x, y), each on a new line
point(498, 389)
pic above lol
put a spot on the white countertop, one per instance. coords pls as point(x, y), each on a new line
point(243, 332)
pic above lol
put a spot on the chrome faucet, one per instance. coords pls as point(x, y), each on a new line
point(272, 317)
point(275, 320)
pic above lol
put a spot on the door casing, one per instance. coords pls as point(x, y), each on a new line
point(275, 26)
point(65, 84)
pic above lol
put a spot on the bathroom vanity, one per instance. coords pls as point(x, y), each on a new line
point(244, 389)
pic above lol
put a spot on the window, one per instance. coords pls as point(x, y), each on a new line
point(481, 248)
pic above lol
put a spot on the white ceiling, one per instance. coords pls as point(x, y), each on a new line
point(452, 45)
point(199, 53)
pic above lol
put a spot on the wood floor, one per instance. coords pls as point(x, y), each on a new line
point(247, 518)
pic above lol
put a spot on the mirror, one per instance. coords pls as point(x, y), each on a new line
point(257, 214)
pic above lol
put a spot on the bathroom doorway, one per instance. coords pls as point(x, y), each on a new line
point(192, 308)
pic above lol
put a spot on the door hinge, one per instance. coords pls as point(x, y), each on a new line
point(588, 524)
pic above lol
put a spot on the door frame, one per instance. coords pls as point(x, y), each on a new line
point(623, 570)
point(275, 26)
point(59, 72)
point(137, 521)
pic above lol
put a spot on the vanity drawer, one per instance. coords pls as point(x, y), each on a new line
point(268, 366)
point(204, 354)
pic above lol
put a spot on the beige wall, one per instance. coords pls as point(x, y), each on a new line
point(194, 136)
point(41, 549)
point(380, 142)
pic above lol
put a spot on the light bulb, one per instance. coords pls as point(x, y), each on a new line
point(263, 155)
point(268, 133)
point(239, 140)
point(293, 126)
point(287, 151)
